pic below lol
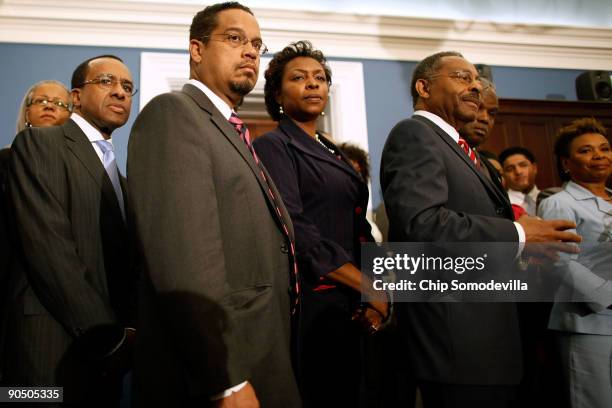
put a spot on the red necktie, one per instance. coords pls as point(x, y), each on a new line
point(466, 148)
point(246, 138)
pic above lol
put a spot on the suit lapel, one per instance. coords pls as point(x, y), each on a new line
point(493, 176)
point(81, 147)
point(230, 133)
point(301, 141)
point(464, 157)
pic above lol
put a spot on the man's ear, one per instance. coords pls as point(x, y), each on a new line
point(75, 95)
point(195, 50)
point(422, 88)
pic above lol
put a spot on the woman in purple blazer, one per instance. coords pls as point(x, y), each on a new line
point(327, 201)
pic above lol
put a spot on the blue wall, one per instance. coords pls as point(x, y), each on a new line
point(386, 87)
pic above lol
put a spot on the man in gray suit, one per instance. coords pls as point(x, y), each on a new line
point(70, 296)
point(463, 354)
point(215, 238)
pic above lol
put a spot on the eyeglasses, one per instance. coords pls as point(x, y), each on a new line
point(43, 101)
point(109, 81)
point(463, 77)
point(237, 40)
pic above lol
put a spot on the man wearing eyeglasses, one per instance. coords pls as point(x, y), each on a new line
point(215, 236)
point(71, 299)
point(463, 354)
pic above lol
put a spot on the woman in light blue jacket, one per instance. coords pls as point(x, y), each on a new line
point(584, 328)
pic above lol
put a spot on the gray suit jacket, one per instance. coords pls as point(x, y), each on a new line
point(215, 307)
point(434, 193)
point(74, 274)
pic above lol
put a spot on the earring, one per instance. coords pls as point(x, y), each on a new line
point(323, 113)
point(280, 110)
point(28, 124)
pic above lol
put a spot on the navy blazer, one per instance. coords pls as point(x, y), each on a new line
point(325, 196)
point(434, 193)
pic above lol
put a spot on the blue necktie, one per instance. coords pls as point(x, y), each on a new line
point(110, 164)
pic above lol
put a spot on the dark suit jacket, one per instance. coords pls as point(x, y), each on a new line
point(215, 307)
point(433, 192)
point(74, 274)
point(6, 252)
point(491, 172)
point(326, 198)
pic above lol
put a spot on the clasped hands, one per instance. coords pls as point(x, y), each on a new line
point(373, 315)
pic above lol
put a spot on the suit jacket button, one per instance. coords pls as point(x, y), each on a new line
point(499, 211)
point(284, 249)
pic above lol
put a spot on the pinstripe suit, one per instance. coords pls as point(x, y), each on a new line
point(75, 274)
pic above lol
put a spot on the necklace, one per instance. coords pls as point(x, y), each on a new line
point(329, 149)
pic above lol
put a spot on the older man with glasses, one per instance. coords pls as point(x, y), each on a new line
point(70, 295)
point(463, 354)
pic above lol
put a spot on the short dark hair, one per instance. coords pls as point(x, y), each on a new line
point(276, 68)
point(356, 153)
point(568, 133)
point(80, 73)
point(427, 68)
point(205, 21)
point(511, 151)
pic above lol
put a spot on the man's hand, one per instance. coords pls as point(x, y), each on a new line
point(244, 398)
point(539, 230)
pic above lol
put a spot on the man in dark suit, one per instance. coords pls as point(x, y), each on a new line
point(463, 354)
point(215, 237)
point(478, 131)
point(6, 252)
point(70, 295)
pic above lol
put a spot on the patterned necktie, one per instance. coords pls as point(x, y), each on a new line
point(243, 131)
point(110, 164)
point(466, 148)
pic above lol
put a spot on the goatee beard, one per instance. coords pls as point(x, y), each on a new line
point(242, 88)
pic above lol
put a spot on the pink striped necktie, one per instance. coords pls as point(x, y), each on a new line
point(243, 131)
point(468, 150)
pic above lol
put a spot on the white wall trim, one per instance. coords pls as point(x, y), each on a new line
point(164, 25)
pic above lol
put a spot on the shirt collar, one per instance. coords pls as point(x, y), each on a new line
point(579, 192)
point(219, 103)
point(93, 134)
point(448, 129)
point(533, 193)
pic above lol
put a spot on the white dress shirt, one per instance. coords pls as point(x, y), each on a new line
point(527, 201)
point(91, 132)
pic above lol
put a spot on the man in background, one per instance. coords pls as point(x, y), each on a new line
point(71, 294)
point(478, 131)
point(520, 171)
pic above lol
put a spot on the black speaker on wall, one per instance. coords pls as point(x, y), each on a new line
point(594, 86)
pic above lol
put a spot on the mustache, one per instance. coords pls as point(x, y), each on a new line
point(473, 96)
